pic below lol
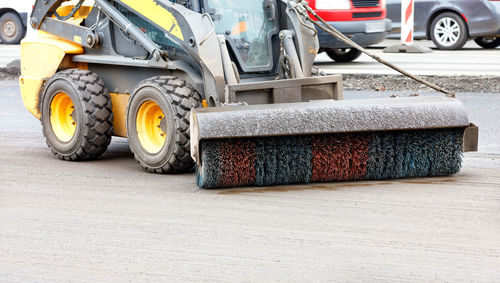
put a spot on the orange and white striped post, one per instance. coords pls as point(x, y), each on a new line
point(407, 21)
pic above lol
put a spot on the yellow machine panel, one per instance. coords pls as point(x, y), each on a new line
point(120, 102)
point(54, 49)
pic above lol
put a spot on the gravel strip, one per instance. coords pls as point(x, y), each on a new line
point(476, 84)
point(9, 73)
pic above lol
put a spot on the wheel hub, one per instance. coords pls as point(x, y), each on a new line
point(9, 29)
point(151, 126)
point(447, 31)
point(61, 117)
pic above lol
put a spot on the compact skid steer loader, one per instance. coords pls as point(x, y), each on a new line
point(226, 86)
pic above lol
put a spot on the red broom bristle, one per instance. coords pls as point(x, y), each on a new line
point(237, 162)
point(339, 157)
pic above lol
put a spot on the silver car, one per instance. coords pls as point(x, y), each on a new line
point(451, 23)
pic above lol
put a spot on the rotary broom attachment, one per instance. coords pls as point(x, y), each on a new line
point(325, 141)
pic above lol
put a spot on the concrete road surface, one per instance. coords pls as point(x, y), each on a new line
point(107, 220)
point(8, 53)
point(471, 61)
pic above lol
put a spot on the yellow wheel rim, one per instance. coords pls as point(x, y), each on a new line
point(149, 127)
point(61, 117)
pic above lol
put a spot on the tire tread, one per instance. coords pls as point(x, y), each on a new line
point(97, 127)
point(182, 97)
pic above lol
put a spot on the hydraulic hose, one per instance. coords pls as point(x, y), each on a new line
point(71, 14)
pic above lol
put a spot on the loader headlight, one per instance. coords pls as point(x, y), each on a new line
point(333, 4)
point(383, 3)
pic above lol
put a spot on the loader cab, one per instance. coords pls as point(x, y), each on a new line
point(251, 30)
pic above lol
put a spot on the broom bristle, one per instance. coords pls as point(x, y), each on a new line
point(265, 161)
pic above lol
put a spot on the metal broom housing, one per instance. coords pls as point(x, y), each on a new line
point(326, 141)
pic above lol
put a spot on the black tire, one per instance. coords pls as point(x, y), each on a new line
point(343, 54)
point(488, 43)
point(12, 29)
point(175, 98)
point(93, 120)
point(449, 31)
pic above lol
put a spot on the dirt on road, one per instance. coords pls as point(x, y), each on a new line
point(9, 73)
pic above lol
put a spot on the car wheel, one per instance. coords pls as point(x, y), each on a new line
point(343, 54)
point(488, 42)
point(11, 28)
point(449, 31)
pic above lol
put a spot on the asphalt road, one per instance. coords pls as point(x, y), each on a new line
point(470, 61)
point(8, 53)
point(107, 220)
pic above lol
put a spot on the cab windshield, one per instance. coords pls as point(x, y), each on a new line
point(247, 25)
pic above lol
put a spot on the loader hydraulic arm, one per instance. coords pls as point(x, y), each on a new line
point(42, 19)
point(43, 9)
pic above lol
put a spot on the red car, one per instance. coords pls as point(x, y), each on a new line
point(364, 21)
